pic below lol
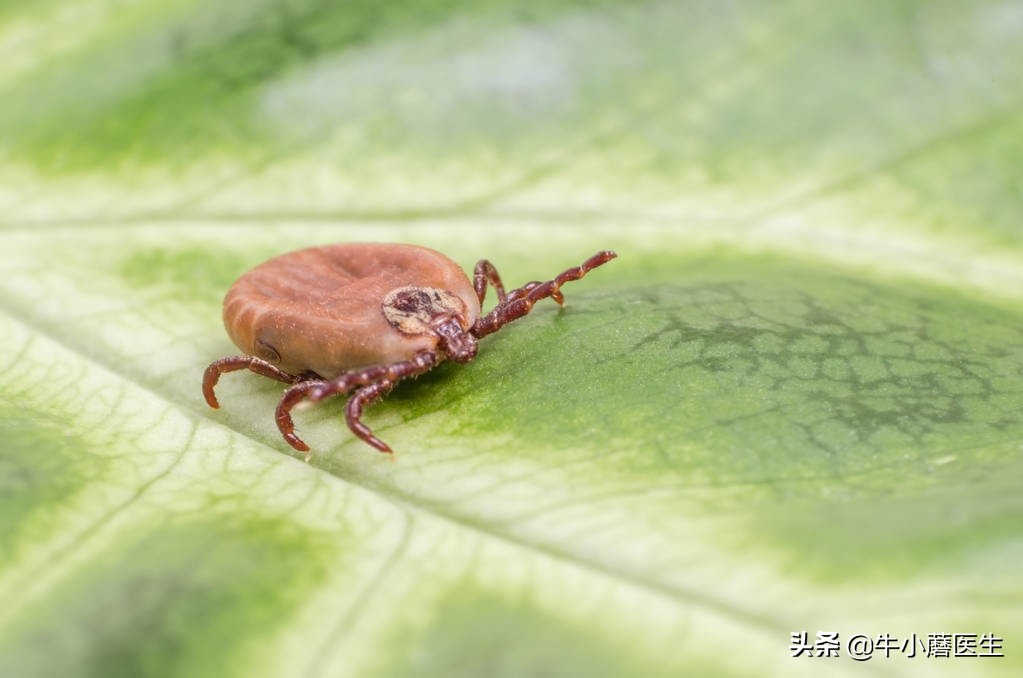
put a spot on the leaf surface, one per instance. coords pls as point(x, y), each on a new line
point(791, 404)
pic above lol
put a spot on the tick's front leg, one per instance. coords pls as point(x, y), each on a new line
point(485, 272)
point(520, 301)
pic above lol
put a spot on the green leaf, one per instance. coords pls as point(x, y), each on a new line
point(792, 404)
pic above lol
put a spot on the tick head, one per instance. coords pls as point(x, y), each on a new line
point(416, 310)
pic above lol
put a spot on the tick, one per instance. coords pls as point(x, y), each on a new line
point(359, 317)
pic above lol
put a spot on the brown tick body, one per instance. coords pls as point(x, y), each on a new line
point(359, 317)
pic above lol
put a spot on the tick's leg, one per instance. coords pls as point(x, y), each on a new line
point(394, 372)
point(293, 396)
point(486, 273)
point(520, 301)
point(240, 362)
point(316, 390)
point(529, 287)
point(353, 412)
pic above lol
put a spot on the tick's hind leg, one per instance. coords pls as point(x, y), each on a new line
point(519, 302)
point(240, 362)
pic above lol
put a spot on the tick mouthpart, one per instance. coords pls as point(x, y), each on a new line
point(458, 345)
